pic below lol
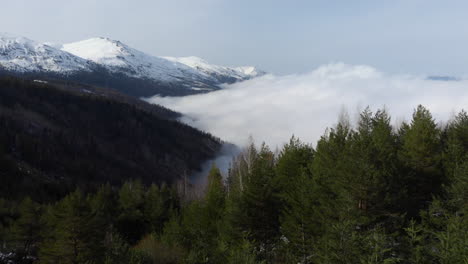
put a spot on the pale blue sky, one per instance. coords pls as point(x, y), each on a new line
point(396, 36)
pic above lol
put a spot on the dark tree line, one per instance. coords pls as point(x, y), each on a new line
point(365, 194)
point(117, 81)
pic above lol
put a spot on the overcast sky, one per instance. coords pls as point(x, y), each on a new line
point(282, 37)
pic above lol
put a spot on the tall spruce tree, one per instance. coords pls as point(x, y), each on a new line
point(131, 223)
point(445, 223)
point(374, 181)
point(299, 224)
point(154, 210)
point(238, 175)
point(330, 170)
point(294, 158)
point(421, 154)
point(75, 237)
point(215, 195)
point(25, 231)
point(259, 204)
point(456, 150)
point(385, 163)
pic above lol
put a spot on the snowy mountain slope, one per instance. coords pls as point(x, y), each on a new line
point(221, 73)
point(113, 64)
point(20, 54)
point(117, 56)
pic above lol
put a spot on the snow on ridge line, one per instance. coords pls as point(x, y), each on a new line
point(112, 53)
point(242, 73)
point(21, 54)
point(117, 56)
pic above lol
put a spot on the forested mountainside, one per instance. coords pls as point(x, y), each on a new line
point(57, 137)
point(102, 77)
point(369, 193)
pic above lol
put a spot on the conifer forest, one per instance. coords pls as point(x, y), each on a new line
point(370, 192)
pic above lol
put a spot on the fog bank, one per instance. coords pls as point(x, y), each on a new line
point(273, 108)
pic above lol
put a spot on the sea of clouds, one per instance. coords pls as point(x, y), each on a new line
point(273, 108)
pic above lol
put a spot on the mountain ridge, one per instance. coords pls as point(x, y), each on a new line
point(100, 61)
point(21, 54)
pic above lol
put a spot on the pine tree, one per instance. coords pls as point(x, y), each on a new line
point(103, 206)
point(415, 247)
point(341, 243)
point(160, 203)
point(300, 225)
point(214, 214)
point(6, 217)
point(361, 177)
point(243, 253)
point(259, 204)
point(456, 150)
point(215, 195)
point(200, 225)
point(75, 236)
point(377, 248)
point(154, 209)
point(446, 221)
point(374, 181)
point(131, 223)
point(390, 190)
point(421, 154)
point(330, 170)
point(193, 233)
point(293, 180)
point(238, 176)
point(25, 231)
point(294, 158)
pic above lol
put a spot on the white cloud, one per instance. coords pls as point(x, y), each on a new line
point(272, 108)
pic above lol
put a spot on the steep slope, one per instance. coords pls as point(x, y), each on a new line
point(54, 138)
point(24, 55)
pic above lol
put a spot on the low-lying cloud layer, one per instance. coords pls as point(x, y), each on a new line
point(273, 108)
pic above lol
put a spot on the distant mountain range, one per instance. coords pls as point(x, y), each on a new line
point(113, 64)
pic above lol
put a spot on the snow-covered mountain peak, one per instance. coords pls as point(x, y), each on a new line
point(21, 54)
point(8, 38)
point(119, 57)
point(113, 60)
point(100, 50)
point(10, 41)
